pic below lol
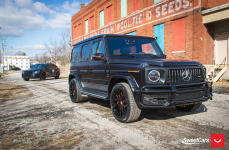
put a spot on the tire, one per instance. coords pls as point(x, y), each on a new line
point(57, 75)
point(189, 108)
point(74, 93)
point(123, 105)
point(43, 76)
point(26, 79)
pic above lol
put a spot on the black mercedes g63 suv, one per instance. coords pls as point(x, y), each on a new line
point(133, 73)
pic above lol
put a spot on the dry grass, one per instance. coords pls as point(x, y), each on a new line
point(10, 90)
point(17, 139)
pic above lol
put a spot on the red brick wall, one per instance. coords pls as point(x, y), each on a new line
point(214, 3)
point(199, 38)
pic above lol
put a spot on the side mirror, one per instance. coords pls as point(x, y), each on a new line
point(164, 55)
point(98, 56)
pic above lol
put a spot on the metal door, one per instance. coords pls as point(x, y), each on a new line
point(221, 48)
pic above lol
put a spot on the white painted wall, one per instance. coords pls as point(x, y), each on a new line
point(22, 62)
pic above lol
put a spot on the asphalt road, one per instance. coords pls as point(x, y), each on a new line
point(50, 120)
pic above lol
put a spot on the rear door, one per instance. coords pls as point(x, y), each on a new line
point(83, 64)
point(54, 70)
point(48, 70)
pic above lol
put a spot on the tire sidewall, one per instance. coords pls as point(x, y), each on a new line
point(120, 86)
point(73, 99)
point(78, 97)
point(43, 76)
point(57, 75)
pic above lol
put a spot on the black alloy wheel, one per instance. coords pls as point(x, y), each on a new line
point(57, 75)
point(188, 108)
point(43, 76)
point(26, 79)
point(119, 103)
point(123, 105)
point(74, 93)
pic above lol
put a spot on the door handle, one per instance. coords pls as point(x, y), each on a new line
point(90, 71)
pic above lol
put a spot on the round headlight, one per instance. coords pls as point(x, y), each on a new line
point(154, 76)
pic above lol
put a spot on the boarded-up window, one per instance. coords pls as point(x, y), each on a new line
point(135, 5)
point(86, 26)
point(109, 14)
point(92, 23)
point(101, 13)
point(123, 8)
point(79, 30)
point(145, 48)
point(179, 35)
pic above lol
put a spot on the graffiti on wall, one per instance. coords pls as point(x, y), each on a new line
point(154, 12)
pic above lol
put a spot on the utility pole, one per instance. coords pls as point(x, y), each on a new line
point(11, 59)
point(3, 43)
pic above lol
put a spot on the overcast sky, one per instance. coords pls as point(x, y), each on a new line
point(27, 24)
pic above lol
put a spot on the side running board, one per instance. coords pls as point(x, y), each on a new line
point(94, 93)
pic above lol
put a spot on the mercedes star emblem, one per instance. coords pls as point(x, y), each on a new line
point(186, 75)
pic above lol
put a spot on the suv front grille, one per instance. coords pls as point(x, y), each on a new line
point(175, 75)
point(192, 95)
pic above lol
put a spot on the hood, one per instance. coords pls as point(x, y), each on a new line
point(155, 62)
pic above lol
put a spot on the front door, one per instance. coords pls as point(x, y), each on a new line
point(221, 48)
point(97, 68)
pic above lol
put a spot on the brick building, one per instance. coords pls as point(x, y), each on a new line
point(195, 30)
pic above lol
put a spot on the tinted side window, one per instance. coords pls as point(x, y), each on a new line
point(49, 66)
point(85, 53)
point(98, 47)
point(75, 54)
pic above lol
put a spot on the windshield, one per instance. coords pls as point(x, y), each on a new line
point(39, 66)
point(125, 46)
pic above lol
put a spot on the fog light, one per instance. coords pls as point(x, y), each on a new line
point(154, 99)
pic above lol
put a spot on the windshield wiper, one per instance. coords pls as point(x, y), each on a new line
point(132, 56)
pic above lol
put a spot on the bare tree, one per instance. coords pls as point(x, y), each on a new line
point(44, 58)
point(36, 58)
point(20, 53)
point(54, 49)
point(66, 44)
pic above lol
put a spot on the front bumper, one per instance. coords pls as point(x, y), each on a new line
point(159, 96)
point(30, 76)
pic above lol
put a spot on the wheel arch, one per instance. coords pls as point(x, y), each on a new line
point(122, 78)
point(75, 76)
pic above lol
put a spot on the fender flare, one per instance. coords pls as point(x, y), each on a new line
point(129, 78)
point(77, 77)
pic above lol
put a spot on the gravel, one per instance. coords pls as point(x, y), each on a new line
point(49, 120)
